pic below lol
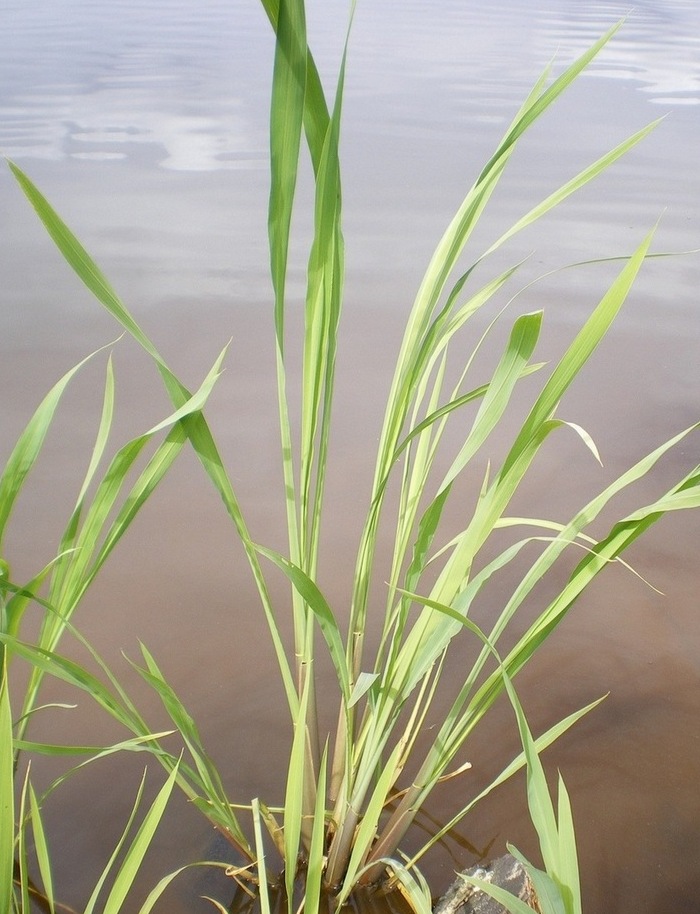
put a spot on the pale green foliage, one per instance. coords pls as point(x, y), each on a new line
point(337, 828)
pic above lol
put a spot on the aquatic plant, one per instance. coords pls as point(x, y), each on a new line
point(351, 796)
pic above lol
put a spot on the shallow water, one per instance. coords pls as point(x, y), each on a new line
point(145, 124)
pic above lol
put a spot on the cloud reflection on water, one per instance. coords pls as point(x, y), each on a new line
point(185, 83)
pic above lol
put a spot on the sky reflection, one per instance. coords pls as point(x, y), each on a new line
point(186, 83)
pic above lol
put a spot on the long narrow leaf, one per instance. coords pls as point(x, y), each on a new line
point(104, 875)
point(29, 445)
point(315, 600)
point(510, 902)
point(7, 814)
point(297, 775)
point(538, 798)
point(138, 847)
point(196, 427)
point(42, 849)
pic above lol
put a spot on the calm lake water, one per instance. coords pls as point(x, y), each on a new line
point(145, 123)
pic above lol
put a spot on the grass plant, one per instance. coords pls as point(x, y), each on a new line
point(352, 795)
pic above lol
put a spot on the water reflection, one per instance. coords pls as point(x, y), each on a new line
point(128, 111)
point(659, 46)
point(103, 81)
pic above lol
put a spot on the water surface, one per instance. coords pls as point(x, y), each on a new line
point(146, 125)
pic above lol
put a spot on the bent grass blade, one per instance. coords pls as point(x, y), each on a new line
point(75, 568)
point(195, 425)
point(42, 849)
point(29, 444)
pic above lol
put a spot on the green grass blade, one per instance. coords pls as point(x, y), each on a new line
point(297, 779)
point(569, 532)
point(367, 830)
point(363, 684)
point(71, 531)
point(215, 803)
point(459, 230)
point(70, 580)
point(286, 118)
point(517, 764)
point(316, 863)
point(510, 902)
point(439, 269)
point(203, 443)
point(455, 404)
point(551, 897)
point(536, 429)
point(607, 549)
point(538, 798)
point(22, 858)
point(113, 480)
point(260, 856)
point(76, 569)
point(146, 483)
point(72, 673)
point(156, 892)
point(128, 745)
point(22, 597)
point(7, 814)
point(103, 431)
point(148, 743)
point(580, 350)
point(138, 847)
point(583, 178)
point(99, 885)
point(42, 850)
point(568, 855)
point(195, 784)
point(315, 110)
point(29, 445)
point(81, 262)
point(539, 105)
point(412, 885)
point(317, 603)
point(321, 318)
point(508, 372)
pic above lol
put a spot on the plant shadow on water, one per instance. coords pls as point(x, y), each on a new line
point(358, 774)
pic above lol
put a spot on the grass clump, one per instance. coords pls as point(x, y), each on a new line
point(105, 507)
point(348, 803)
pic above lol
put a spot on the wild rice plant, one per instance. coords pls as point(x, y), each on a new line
point(351, 796)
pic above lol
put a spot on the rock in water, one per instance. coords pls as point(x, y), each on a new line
point(506, 872)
